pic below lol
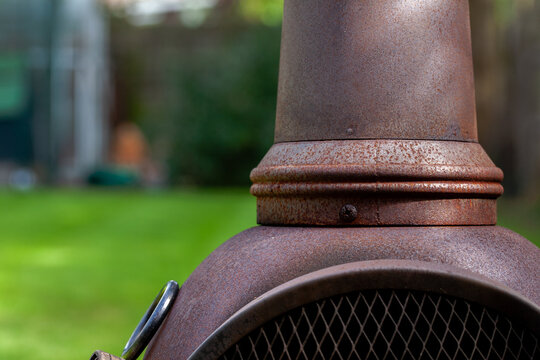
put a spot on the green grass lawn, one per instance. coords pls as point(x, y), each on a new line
point(78, 268)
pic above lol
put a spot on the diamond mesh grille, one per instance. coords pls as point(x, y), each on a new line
point(387, 324)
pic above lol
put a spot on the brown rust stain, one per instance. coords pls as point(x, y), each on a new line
point(392, 182)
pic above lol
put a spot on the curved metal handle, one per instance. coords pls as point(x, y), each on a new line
point(151, 321)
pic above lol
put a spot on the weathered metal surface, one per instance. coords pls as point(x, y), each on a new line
point(389, 182)
point(379, 69)
point(376, 211)
point(262, 258)
point(362, 160)
point(368, 275)
point(376, 110)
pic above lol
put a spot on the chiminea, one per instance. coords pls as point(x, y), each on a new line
point(377, 208)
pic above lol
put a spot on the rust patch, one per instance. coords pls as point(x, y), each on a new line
point(390, 182)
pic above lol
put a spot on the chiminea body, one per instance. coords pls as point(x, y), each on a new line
point(377, 207)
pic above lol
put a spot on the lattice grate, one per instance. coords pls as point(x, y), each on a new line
point(387, 324)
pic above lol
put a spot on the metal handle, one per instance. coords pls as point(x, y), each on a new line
point(151, 321)
point(102, 355)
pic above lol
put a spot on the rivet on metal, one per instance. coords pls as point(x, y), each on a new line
point(348, 213)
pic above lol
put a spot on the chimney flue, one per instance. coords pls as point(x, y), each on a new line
point(376, 119)
point(354, 70)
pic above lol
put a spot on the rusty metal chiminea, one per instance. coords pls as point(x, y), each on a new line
point(377, 206)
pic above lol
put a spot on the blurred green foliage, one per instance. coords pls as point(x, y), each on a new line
point(268, 12)
point(205, 97)
point(226, 107)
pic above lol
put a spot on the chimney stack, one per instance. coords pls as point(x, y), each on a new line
point(376, 121)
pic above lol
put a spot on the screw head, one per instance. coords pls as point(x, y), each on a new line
point(348, 213)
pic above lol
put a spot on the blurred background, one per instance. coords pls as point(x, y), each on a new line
point(128, 129)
